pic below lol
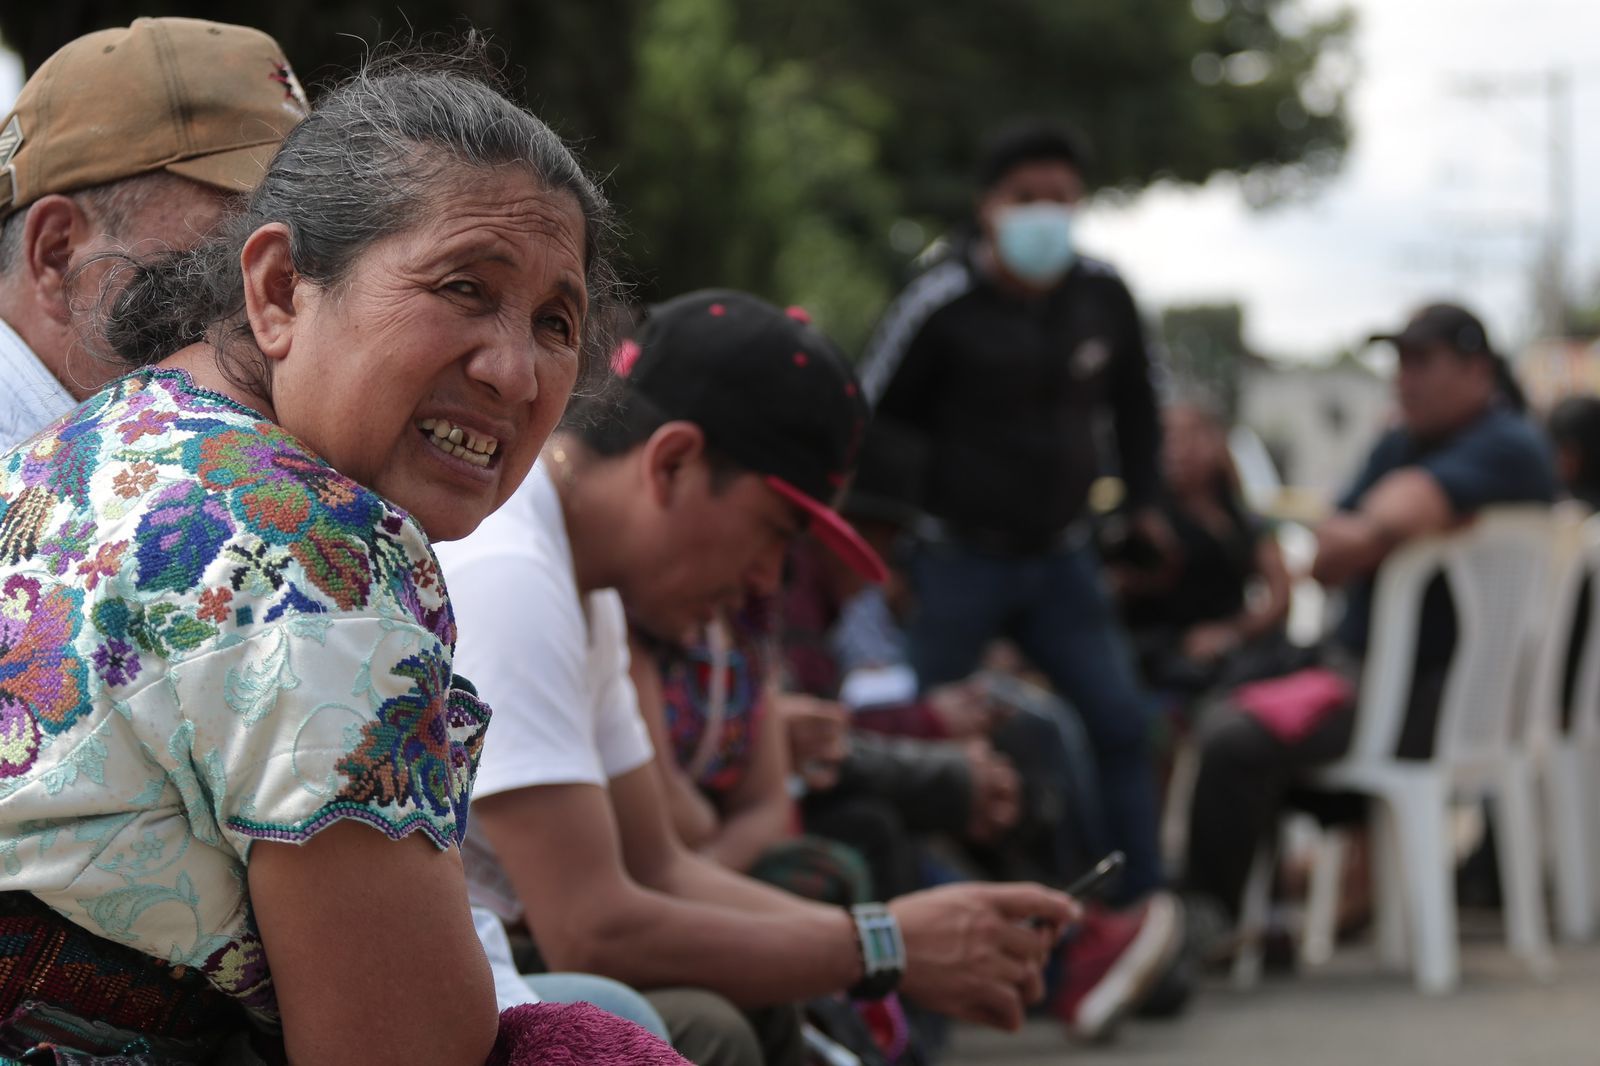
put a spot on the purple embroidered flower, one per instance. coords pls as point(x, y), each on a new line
point(116, 662)
point(148, 423)
point(19, 737)
point(38, 670)
point(69, 545)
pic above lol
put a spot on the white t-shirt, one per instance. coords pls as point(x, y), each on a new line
point(31, 398)
point(553, 666)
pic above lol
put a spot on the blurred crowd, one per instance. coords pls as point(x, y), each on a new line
point(412, 652)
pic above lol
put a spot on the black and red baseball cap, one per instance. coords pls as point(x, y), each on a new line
point(769, 391)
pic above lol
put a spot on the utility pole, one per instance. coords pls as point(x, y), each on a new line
point(1550, 288)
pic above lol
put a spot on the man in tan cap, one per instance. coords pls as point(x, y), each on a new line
point(131, 140)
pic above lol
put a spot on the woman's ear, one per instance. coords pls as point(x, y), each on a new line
point(269, 289)
point(667, 454)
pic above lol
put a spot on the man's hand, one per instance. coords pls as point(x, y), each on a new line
point(975, 951)
point(996, 792)
point(1151, 526)
point(819, 736)
point(963, 709)
point(1349, 545)
point(1210, 641)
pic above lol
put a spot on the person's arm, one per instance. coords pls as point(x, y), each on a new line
point(1211, 640)
point(901, 375)
point(758, 812)
point(372, 951)
point(929, 782)
point(684, 921)
point(1401, 506)
point(1271, 609)
point(692, 816)
point(1137, 417)
point(609, 890)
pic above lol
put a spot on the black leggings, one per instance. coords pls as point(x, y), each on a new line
point(1248, 776)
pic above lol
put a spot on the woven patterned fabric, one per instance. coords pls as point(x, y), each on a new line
point(62, 985)
point(721, 762)
point(208, 637)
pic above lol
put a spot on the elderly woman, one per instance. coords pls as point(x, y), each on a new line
point(234, 766)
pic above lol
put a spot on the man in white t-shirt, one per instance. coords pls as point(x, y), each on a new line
point(733, 426)
point(125, 140)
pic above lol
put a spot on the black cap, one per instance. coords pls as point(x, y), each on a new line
point(1448, 324)
point(1459, 330)
point(769, 391)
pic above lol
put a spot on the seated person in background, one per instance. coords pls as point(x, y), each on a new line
point(731, 425)
point(948, 763)
point(843, 642)
point(236, 758)
point(1574, 426)
point(1463, 443)
point(726, 761)
point(154, 174)
point(737, 750)
point(1215, 613)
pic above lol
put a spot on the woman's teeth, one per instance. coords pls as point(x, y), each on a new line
point(461, 443)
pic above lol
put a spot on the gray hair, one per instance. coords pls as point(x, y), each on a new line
point(375, 156)
point(117, 207)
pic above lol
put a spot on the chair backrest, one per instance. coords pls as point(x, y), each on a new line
point(1574, 556)
point(1584, 726)
point(1497, 570)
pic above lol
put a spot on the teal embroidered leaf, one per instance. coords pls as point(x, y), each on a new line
point(252, 691)
point(112, 617)
point(186, 632)
point(116, 911)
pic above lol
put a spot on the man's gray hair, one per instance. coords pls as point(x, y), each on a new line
point(116, 207)
point(378, 154)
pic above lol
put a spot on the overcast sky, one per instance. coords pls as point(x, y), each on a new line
point(1441, 194)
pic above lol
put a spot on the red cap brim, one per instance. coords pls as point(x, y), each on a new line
point(834, 532)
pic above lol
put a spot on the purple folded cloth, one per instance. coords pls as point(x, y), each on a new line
point(575, 1034)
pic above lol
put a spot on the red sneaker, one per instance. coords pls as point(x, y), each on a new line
point(1113, 961)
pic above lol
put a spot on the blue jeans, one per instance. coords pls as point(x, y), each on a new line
point(1058, 611)
point(1049, 745)
point(613, 997)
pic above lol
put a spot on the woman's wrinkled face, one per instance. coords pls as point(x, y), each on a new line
point(435, 371)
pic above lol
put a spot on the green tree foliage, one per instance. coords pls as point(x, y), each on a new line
point(774, 145)
point(1206, 350)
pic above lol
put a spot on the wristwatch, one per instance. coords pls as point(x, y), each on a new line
point(883, 951)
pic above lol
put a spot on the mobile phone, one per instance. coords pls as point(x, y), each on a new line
point(1095, 881)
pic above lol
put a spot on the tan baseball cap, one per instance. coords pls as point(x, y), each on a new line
point(204, 100)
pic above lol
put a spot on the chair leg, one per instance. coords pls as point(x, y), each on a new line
point(1571, 853)
point(1422, 826)
point(1322, 899)
point(1254, 911)
point(1388, 889)
point(1591, 812)
point(1515, 811)
point(1180, 795)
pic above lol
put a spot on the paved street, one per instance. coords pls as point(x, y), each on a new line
point(1350, 1013)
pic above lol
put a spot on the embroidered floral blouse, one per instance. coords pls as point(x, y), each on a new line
point(208, 637)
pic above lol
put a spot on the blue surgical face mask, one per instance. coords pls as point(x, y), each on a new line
point(1034, 241)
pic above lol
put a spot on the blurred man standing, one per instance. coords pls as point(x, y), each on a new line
point(1001, 366)
point(126, 140)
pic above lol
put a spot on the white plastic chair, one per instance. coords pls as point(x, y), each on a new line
point(1568, 760)
point(1498, 573)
